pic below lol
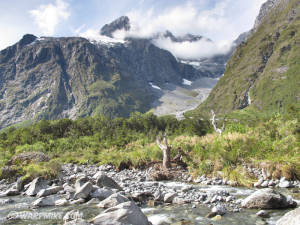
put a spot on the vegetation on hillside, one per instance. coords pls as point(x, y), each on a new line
point(272, 142)
point(266, 67)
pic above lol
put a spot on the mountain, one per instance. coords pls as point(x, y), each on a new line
point(264, 71)
point(73, 77)
point(121, 23)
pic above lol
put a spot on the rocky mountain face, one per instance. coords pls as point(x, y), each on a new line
point(121, 23)
point(264, 71)
point(72, 77)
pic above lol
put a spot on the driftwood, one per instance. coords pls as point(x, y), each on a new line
point(213, 122)
point(164, 146)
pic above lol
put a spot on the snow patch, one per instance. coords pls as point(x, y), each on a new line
point(154, 86)
point(187, 82)
point(95, 38)
point(192, 63)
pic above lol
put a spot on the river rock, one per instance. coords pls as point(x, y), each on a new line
point(49, 191)
point(80, 182)
point(123, 214)
point(219, 210)
point(11, 192)
point(84, 191)
point(62, 202)
point(262, 213)
point(285, 184)
point(35, 186)
point(44, 201)
point(104, 181)
point(168, 198)
point(267, 199)
point(259, 182)
point(78, 201)
point(101, 193)
point(113, 200)
point(290, 218)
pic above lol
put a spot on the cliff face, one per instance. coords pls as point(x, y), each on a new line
point(72, 77)
point(264, 72)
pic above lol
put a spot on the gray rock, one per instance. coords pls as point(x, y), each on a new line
point(219, 209)
point(112, 201)
point(290, 218)
point(78, 201)
point(101, 193)
point(180, 200)
point(267, 199)
point(80, 182)
point(44, 201)
point(265, 183)
point(262, 213)
point(62, 202)
point(35, 186)
point(104, 181)
point(168, 198)
point(11, 192)
point(285, 184)
point(84, 191)
point(259, 182)
point(123, 214)
point(93, 201)
point(49, 191)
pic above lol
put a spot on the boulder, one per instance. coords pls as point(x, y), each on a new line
point(104, 181)
point(113, 200)
point(123, 214)
point(35, 186)
point(49, 191)
point(83, 191)
point(262, 213)
point(168, 198)
point(290, 218)
point(219, 210)
point(80, 182)
point(101, 193)
point(267, 199)
point(11, 192)
point(62, 202)
point(44, 201)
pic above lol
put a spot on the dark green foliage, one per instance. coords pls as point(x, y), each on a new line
point(92, 135)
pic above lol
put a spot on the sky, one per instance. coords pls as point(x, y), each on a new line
point(219, 20)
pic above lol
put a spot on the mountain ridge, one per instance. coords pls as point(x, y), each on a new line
point(263, 73)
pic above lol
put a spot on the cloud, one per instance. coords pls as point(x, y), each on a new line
point(224, 20)
point(221, 21)
point(47, 17)
point(193, 50)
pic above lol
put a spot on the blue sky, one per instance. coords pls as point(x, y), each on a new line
point(220, 20)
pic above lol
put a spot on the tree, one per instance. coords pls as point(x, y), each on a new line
point(164, 146)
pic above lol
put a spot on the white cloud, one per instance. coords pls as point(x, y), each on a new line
point(194, 50)
point(47, 17)
point(221, 22)
point(224, 21)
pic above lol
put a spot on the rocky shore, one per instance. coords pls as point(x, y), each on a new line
point(126, 197)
